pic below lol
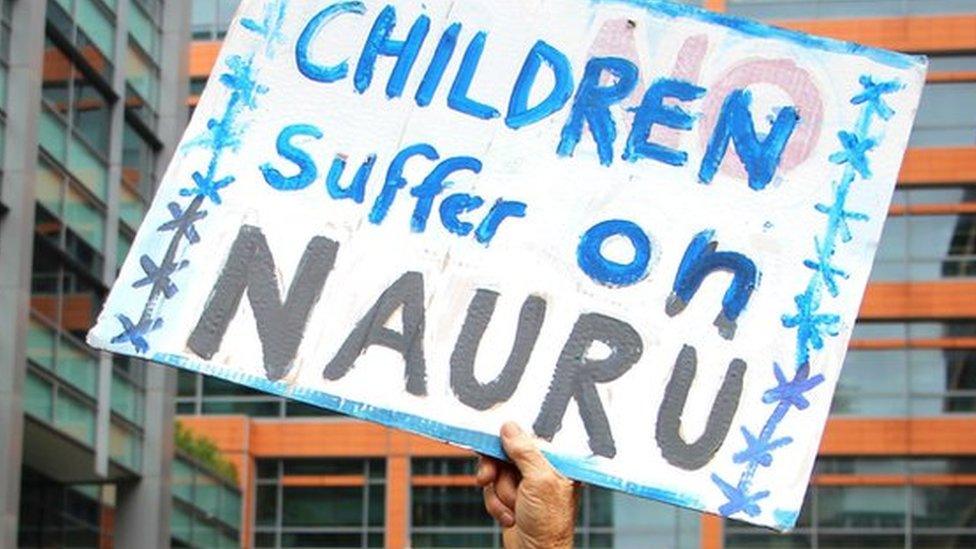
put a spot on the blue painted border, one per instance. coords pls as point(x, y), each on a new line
point(478, 441)
point(762, 30)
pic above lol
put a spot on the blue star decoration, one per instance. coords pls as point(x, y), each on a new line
point(854, 153)
point(208, 187)
point(811, 325)
point(739, 499)
point(792, 392)
point(136, 333)
point(270, 24)
point(159, 276)
point(241, 79)
point(759, 449)
point(841, 216)
point(183, 221)
point(873, 96)
point(824, 266)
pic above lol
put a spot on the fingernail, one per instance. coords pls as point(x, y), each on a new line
point(507, 520)
point(481, 470)
point(511, 429)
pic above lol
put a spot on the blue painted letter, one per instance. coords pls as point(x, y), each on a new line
point(653, 111)
point(453, 206)
point(701, 260)
point(357, 188)
point(433, 184)
point(592, 105)
point(308, 68)
point(590, 257)
point(519, 113)
point(307, 171)
point(379, 43)
point(395, 180)
point(760, 158)
point(500, 211)
point(458, 99)
point(438, 64)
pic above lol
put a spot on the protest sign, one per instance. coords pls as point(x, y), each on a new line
point(639, 229)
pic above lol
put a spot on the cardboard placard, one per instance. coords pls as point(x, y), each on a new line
point(639, 229)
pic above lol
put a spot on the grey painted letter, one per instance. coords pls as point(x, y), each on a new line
point(576, 377)
point(468, 389)
point(281, 326)
point(408, 293)
point(696, 455)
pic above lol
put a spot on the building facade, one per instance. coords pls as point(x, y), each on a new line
point(92, 102)
point(897, 465)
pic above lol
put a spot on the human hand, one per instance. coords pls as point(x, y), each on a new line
point(533, 502)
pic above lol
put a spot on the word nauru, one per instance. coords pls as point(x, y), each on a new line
point(605, 82)
point(250, 269)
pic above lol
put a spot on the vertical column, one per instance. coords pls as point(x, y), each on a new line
point(711, 532)
point(397, 490)
point(103, 418)
point(16, 242)
point(711, 525)
point(143, 516)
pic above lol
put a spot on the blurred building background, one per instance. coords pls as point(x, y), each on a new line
point(93, 97)
point(898, 462)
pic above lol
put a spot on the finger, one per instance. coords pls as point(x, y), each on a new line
point(497, 509)
point(522, 450)
point(506, 486)
point(487, 470)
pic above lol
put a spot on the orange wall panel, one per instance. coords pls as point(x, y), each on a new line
point(229, 433)
point(203, 56)
point(308, 438)
point(899, 436)
point(711, 532)
point(397, 501)
point(919, 300)
point(939, 166)
point(910, 34)
point(714, 5)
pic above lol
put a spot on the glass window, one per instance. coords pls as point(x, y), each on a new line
point(260, 408)
point(946, 115)
point(97, 23)
point(75, 417)
point(75, 121)
point(143, 76)
point(929, 246)
point(122, 246)
point(861, 506)
point(125, 447)
point(78, 367)
point(81, 234)
point(40, 344)
point(322, 507)
point(812, 9)
point(944, 507)
point(127, 398)
point(89, 28)
point(929, 369)
point(38, 396)
point(941, 541)
point(138, 163)
point(183, 474)
point(292, 504)
point(143, 30)
point(210, 19)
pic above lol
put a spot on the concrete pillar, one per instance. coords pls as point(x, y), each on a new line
point(144, 508)
point(16, 243)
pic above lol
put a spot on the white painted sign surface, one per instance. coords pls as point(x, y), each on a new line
point(639, 229)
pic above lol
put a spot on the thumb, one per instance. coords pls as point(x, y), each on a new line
point(522, 450)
